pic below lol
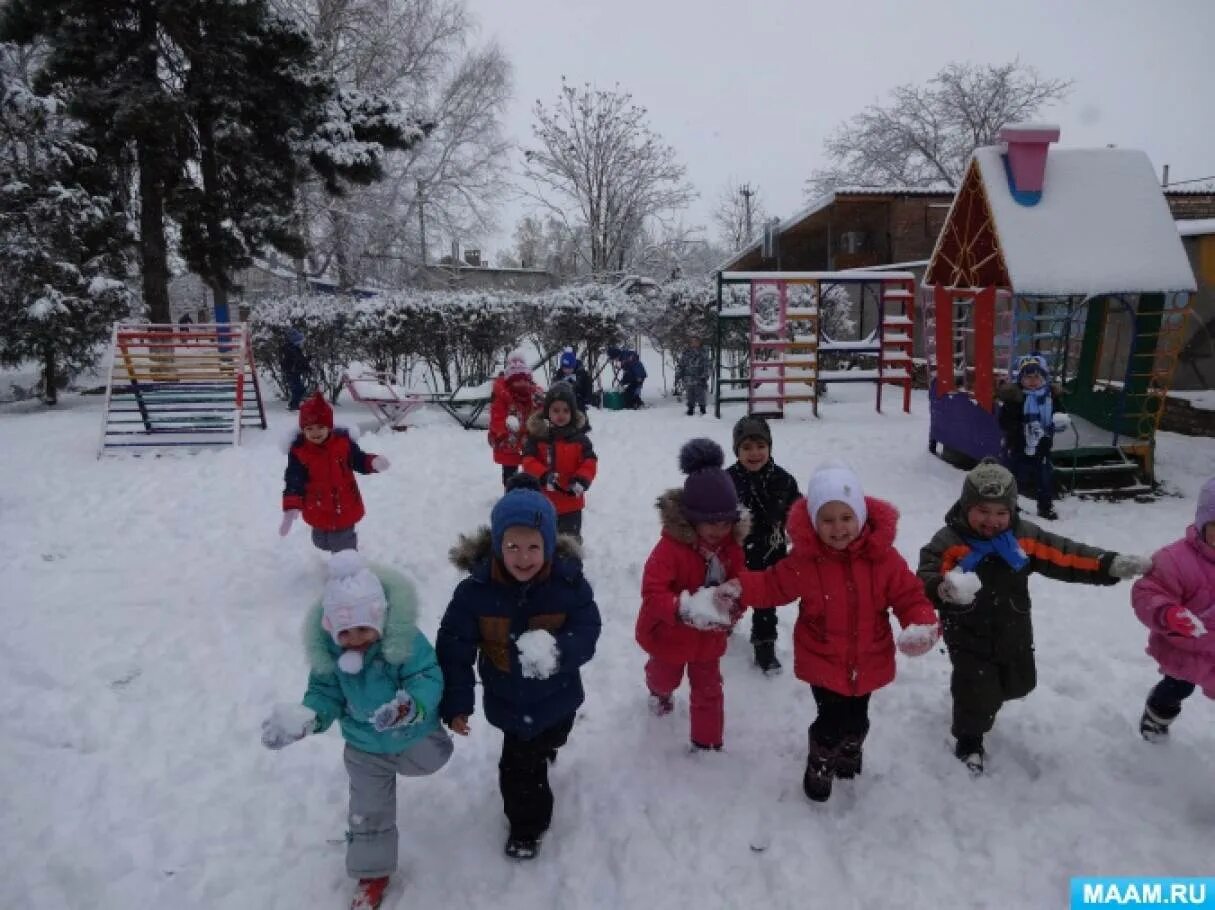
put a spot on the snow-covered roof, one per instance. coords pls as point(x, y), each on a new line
point(1196, 227)
point(1101, 226)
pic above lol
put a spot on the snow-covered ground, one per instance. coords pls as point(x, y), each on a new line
point(150, 618)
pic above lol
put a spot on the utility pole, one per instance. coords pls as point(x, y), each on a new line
point(746, 192)
point(422, 220)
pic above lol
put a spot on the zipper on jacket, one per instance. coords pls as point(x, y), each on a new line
point(853, 622)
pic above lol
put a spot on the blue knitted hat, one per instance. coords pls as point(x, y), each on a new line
point(569, 360)
point(524, 506)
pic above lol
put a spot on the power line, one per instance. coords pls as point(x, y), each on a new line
point(1173, 183)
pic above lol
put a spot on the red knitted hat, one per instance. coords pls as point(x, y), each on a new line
point(316, 410)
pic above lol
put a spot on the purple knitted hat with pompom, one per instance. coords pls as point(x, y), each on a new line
point(708, 493)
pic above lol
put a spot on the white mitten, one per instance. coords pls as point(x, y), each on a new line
point(1060, 422)
point(289, 517)
point(400, 712)
point(1129, 565)
point(512, 423)
point(287, 723)
point(380, 464)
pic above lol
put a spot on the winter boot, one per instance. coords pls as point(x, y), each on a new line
point(765, 657)
point(969, 750)
point(520, 847)
point(1048, 512)
point(820, 768)
point(700, 747)
point(661, 705)
point(848, 761)
point(369, 894)
point(1154, 724)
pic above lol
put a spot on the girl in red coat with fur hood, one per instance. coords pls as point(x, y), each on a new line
point(689, 590)
point(847, 575)
point(515, 398)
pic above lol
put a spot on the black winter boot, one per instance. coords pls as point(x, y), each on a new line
point(848, 761)
point(969, 751)
point(1154, 724)
point(820, 768)
point(765, 657)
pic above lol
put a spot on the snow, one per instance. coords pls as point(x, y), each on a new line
point(698, 609)
point(1196, 227)
point(152, 615)
point(1102, 225)
point(965, 584)
point(538, 653)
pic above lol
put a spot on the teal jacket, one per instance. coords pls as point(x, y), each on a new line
point(401, 659)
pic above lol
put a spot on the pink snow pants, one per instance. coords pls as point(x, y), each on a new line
point(708, 702)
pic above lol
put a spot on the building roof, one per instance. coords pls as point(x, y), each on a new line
point(1102, 225)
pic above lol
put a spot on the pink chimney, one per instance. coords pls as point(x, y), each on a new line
point(1027, 145)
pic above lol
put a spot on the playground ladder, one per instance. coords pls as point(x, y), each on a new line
point(171, 386)
point(896, 329)
point(784, 362)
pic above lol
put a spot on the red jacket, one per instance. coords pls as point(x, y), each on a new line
point(675, 565)
point(842, 640)
point(567, 453)
point(319, 480)
point(518, 398)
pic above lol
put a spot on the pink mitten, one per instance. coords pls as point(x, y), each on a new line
point(916, 640)
point(1181, 621)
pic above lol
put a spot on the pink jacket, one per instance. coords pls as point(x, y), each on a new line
point(1183, 574)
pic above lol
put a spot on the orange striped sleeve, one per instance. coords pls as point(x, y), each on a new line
point(1054, 555)
point(952, 556)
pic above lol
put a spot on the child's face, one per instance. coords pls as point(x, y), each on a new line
point(753, 453)
point(1208, 533)
point(1032, 380)
point(987, 519)
point(713, 532)
point(522, 552)
point(360, 638)
point(316, 433)
point(559, 414)
point(836, 525)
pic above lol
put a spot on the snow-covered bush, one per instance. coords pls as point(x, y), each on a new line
point(586, 317)
point(329, 338)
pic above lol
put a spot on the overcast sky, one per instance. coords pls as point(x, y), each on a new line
point(746, 90)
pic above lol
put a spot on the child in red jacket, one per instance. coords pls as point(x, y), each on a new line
point(560, 455)
point(515, 398)
point(689, 590)
point(319, 480)
point(847, 575)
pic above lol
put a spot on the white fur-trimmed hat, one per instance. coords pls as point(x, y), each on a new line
point(353, 598)
point(834, 481)
point(516, 364)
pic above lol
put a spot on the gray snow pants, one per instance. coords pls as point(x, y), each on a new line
point(371, 842)
point(695, 395)
point(333, 541)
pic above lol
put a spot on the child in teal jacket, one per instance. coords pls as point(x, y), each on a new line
point(374, 673)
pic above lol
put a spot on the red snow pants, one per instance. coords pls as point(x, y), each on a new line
point(707, 702)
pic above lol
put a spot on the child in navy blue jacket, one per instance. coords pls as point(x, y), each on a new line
point(526, 617)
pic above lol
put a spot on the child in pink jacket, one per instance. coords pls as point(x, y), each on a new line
point(1176, 600)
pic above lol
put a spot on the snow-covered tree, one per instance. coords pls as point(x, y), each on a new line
point(924, 134)
point(597, 163)
point(64, 245)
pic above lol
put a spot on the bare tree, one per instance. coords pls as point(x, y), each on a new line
point(924, 135)
point(599, 165)
point(738, 214)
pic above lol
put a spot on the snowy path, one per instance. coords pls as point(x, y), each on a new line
point(151, 617)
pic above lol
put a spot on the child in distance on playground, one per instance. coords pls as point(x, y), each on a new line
point(319, 482)
point(1031, 412)
point(559, 454)
point(375, 673)
point(847, 577)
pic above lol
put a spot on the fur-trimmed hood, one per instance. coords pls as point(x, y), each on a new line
point(540, 429)
point(876, 538)
point(473, 552)
point(400, 625)
point(294, 436)
point(670, 515)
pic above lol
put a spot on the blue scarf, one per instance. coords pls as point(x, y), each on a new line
point(1003, 545)
point(1036, 414)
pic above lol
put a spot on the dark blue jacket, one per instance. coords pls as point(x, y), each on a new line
point(488, 612)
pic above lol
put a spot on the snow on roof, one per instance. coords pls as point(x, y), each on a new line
point(1196, 227)
point(1102, 225)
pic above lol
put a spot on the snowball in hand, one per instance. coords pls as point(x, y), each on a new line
point(699, 609)
point(538, 653)
point(966, 584)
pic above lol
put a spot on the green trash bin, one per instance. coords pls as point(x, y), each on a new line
point(613, 401)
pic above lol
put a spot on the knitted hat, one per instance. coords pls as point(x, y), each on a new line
point(1032, 363)
point(516, 364)
point(614, 353)
point(316, 411)
point(524, 506)
point(1205, 513)
point(989, 481)
point(295, 336)
point(354, 598)
point(751, 428)
point(569, 360)
point(834, 481)
point(708, 493)
point(561, 391)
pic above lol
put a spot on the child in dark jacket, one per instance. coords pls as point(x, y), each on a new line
point(526, 617)
point(559, 454)
point(766, 490)
point(976, 571)
point(689, 591)
point(570, 370)
point(694, 368)
point(1030, 414)
point(848, 577)
point(319, 481)
point(374, 673)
